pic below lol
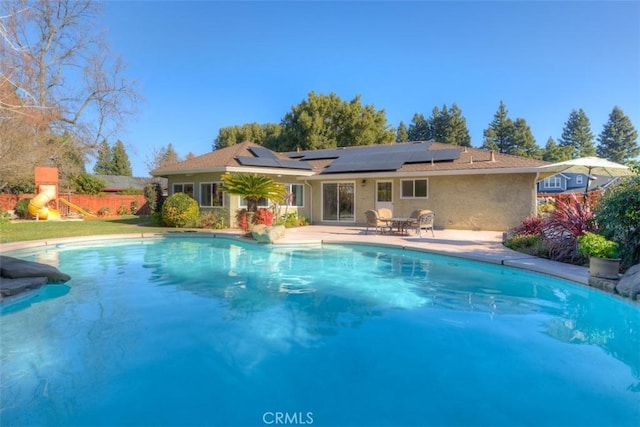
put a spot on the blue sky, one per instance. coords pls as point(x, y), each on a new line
point(206, 65)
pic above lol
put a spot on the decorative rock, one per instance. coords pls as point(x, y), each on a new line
point(14, 268)
point(265, 234)
point(9, 287)
point(17, 276)
point(608, 285)
point(629, 285)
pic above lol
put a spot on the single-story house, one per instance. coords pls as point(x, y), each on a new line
point(467, 188)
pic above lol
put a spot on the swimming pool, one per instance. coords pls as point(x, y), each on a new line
point(204, 331)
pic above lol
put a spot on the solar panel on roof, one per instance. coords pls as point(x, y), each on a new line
point(262, 152)
point(272, 163)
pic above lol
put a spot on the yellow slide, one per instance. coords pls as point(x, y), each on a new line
point(76, 207)
point(38, 205)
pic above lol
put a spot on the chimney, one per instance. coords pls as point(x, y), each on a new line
point(493, 156)
point(471, 159)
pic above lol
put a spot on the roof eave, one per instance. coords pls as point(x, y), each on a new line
point(239, 169)
point(396, 174)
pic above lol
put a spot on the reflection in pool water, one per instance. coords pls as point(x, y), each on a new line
point(192, 331)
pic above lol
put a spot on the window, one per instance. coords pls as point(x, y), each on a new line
point(413, 189)
point(295, 195)
point(579, 179)
point(552, 182)
point(186, 188)
point(211, 195)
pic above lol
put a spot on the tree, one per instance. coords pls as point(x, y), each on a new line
point(618, 141)
point(523, 141)
point(120, 160)
point(499, 135)
point(261, 134)
point(577, 135)
point(161, 157)
point(63, 71)
point(453, 127)
point(419, 129)
point(104, 164)
point(325, 121)
point(401, 133)
point(554, 153)
point(253, 188)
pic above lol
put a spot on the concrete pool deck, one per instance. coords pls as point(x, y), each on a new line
point(483, 246)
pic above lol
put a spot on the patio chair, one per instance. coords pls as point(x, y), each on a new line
point(373, 221)
point(385, 213)
point(425, 222)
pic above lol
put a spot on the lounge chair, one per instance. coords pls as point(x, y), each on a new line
point(373, 221)
point(425, 222)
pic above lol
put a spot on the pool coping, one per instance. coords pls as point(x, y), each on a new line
point(476, 246)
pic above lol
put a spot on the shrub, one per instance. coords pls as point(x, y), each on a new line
point(133, 207)
point(292, 220)
point(88, 184)
point(156, 219)
point(214, 220)
point(528, 243)
point(597, 246)
point(104, 211)
point(21, 208)
point(122, 210)
point(180, 210)
point(242, 219)
point(618, 216)
point(531, 226)
point(263, 216)
point(153, 196)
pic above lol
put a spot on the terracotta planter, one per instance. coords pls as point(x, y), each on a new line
point(605, 268)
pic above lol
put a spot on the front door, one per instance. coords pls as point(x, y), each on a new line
point(384, 195)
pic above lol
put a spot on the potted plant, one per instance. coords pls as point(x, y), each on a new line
point(603, 255)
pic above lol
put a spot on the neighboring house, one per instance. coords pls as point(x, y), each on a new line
point(467, 188)
point(119, 183)
point(573, 182)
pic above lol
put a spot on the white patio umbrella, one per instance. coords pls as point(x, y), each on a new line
point(585, 165)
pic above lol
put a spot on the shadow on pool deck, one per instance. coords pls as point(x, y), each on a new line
point(476, 245)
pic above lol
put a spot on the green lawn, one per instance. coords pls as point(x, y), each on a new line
point(33, 230)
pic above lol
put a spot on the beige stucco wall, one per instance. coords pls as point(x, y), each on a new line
point(468, 202)
point(232, 203)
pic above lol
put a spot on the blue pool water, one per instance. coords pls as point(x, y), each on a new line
point(216, 332)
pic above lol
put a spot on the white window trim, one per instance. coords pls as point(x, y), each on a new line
point(173, 187)
point(288, 189)
point(219, 183)
point(414, 188)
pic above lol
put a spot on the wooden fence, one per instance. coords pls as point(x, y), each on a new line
point(113, 203)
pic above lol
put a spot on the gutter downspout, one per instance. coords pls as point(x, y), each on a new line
point(310, 201)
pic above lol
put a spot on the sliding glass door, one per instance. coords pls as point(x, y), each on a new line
point(338, 201)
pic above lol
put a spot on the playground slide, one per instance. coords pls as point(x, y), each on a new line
point(38, 205)
point(76, 207)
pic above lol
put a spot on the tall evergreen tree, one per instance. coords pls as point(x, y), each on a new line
point(418, 129)
point(618, 141)
point(499, 135)
point(554, 153)
point(523, 141)
point(577, 135)
point(120, 160)
point(103, 164)
point(455, 127)
point(401, 133)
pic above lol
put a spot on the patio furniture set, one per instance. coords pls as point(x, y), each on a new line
point(383, 220)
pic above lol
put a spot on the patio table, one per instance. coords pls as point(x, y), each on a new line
point(401, 224)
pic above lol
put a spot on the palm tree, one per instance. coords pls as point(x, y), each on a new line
point(253, 187)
